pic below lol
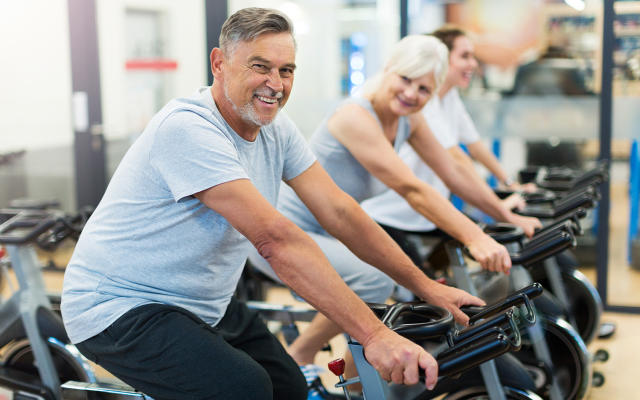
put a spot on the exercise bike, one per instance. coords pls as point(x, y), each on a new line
point(565, 371)
point(493, 330)
point(36, 354)
point(508, 378)
point(567, 192)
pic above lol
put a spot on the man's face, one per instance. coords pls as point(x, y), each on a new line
point(258, 77)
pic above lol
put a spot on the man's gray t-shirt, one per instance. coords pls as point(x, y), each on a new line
point(150, 241)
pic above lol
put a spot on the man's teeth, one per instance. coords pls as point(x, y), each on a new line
point(267, 99)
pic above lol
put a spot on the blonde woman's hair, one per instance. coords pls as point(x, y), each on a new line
point(413, 57)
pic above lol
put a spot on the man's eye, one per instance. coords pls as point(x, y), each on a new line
point(260, 68)
point(286, 72)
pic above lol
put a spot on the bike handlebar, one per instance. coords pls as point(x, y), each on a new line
point(475, 353)
point(516, 298)
point(531, 254)
point(503, 232)
point(403, 319)
point(23, 226)
point(583, 200)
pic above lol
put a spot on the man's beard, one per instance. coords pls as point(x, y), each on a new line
point(248, 111)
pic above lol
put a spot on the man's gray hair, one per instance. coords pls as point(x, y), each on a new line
point(249, 23)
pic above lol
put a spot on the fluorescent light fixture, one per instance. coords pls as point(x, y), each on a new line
point(575, 4)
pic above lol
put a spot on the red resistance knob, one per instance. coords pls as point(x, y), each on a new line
point(3, 252)
point(337, 366)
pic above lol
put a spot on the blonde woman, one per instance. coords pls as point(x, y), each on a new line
point(357, 145)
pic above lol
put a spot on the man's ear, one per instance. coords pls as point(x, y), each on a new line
point(217, 59)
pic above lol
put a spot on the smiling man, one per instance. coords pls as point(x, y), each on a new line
point(148, 293)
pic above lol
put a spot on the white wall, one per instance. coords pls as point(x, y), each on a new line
point(186, 43)
point(35, 75)
point(316, 86)
point(319, 26)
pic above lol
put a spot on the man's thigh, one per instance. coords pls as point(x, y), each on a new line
point(244, 330)
point(168, 353)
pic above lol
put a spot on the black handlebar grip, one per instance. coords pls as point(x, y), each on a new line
point(424, 321)
point(500, 320)
point(532, 254)
point(516, 298)
point(544, 235)
point(418, 320)
point(572, 216)
point(582, 201)
point(540, 196)
point(21, 226)
point(478, 352)
point(503, 232)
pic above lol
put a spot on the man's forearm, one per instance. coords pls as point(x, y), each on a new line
point(301, 265)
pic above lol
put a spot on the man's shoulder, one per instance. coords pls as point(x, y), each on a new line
point(196, 103)
point(194, 111)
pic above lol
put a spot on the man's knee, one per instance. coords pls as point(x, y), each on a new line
point(294, 388)
point(255, 385)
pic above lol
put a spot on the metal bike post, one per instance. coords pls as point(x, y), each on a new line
point(463, 281)
point(31, 297)
point(552, 269)
point(520, 278)
point(373, 386)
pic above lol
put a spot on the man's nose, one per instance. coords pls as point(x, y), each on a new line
point(274, 81)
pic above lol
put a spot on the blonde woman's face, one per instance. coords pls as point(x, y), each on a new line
point(407, 95)
point(462, 62)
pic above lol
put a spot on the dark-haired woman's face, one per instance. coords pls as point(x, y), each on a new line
point(462, 62)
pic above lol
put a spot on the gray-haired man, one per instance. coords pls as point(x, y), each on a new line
point(148, 291)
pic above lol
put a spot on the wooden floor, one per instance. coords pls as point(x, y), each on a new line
point(621, 371)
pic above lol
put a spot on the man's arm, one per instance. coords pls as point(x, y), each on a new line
point(300, 264)
point(344, 219)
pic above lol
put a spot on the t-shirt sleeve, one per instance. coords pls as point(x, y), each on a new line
point(439, 127)
point(298, 154)
point(467, 131)
point(191, 154)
